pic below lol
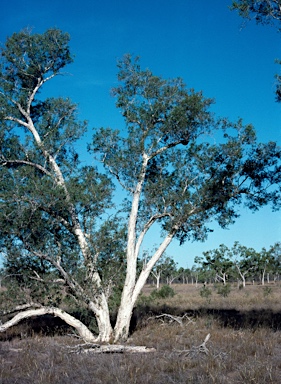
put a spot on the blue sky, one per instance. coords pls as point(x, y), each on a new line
point(200, 41)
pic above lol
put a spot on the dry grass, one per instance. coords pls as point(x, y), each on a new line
point(244, 347)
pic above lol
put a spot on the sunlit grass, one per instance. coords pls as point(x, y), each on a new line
point(239, 351)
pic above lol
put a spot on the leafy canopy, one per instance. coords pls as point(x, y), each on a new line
point(188, 178)
point(44, 190)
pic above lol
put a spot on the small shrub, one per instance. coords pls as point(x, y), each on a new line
point(163, 292)
point(224, 290)
point(267, 291)
point(206, 293)
point(144, 300)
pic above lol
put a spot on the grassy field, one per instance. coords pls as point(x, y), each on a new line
point(244, 345)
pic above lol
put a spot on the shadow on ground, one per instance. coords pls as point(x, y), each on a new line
point(233, 318)
point(238, 319)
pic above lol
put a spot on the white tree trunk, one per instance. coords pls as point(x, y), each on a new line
point(158, 282)
point(157, 278)
point(131, 293)
point(262, 277)
point(103, 321)
point(81, 328)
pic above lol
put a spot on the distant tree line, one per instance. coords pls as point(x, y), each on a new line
point(223, 265)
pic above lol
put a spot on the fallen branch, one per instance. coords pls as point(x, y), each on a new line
point(195, 351)
point(177, 319)
point(110, 348)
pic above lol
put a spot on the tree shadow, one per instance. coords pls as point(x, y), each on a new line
point(46, 325)
point(233, 318)
point(237, 319)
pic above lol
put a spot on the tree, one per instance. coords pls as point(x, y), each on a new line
point(184, 274)
point(262, 262)
point(217, 260)
point(196, 273)
point(275, 265)
point(49, 204)
point(165, 268)
point(175, 176)
point(264, 12)
point(243, 260)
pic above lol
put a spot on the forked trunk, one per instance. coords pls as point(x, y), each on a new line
point(132, 291)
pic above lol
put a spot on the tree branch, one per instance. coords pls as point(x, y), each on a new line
point(25, 162)
point(82, 330)
point(146, 227)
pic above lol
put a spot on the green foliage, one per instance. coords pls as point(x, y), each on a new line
point(263, 11)
point(27, 61)
point(165, 269)
point(45, 193)
point(187, 181)
point(224, 290)
point(267, 291)
point(206, 293)
point(238, 262)
point(57, 236)
point(163, 293)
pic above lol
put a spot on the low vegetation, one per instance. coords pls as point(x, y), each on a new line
point(243, 346)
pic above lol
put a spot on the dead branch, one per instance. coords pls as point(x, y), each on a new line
point(194, 352)
point(171, 318)
point(109, 348)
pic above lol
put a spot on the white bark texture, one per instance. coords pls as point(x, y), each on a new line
point(81, 328)
point(131, 291)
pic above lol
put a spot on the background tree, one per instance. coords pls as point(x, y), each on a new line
point(197, 273)
point(164, 269)
point(243, 260)
point(263, 262)
point(203, 272)
point(219, 261)
point(275, 266)
point(174, 174)
point(170, 272)
point(184, 274)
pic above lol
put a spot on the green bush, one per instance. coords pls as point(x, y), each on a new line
point(206, 293)
point(224, 290)
point(267, 291)
point(163, 292)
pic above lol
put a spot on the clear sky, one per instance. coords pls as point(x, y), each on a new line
point(198, 40)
